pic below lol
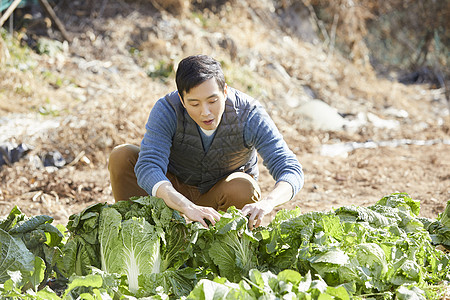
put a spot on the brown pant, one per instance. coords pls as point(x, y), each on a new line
point(236, 189)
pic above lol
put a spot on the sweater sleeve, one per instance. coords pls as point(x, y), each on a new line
point(261, 132)
point(153, 160)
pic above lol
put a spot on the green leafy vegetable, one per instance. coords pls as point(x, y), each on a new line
point(37, 240)
point(141, 238)
point(139, 251)
point(231, 246)
point(30, 224)
point(14, 256)
point(141, 248)
point(287, 284)
point(445, 216)
point(82, 249)
point(15, 216)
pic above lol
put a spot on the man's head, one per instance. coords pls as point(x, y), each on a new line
point(202, 89)
point(196, 69)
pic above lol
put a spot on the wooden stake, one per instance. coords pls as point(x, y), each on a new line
point(55, 19)
point(9, 11)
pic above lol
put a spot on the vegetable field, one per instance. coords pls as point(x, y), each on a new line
point(141, 249)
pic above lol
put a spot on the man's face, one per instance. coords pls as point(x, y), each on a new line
point(205, 104)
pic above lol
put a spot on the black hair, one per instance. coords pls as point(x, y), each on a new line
point(194, 70)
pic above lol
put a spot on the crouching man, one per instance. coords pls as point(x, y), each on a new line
point(199, 152)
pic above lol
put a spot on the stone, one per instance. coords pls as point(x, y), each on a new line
point(318, 115)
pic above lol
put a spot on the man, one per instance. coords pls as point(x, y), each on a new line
point(199, 150)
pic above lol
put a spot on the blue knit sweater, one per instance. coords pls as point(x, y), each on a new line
point(260, 132)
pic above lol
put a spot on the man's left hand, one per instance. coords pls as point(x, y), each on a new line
point(280, 194)
point(256, 211)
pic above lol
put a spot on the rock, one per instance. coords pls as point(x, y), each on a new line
point(318, 115)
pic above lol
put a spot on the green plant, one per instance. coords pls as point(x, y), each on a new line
point(142, 248)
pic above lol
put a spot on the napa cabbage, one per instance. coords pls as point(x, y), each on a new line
point(143, 239)
point(131, 247)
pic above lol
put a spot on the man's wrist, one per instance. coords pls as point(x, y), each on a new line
point(157, 185)
point(268, 203)
point(173, 198)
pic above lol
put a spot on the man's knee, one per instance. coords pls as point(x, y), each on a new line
point(121, 164)
point(123, 155)
point(240, 189)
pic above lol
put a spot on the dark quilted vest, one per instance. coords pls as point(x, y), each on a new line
point(227, 153)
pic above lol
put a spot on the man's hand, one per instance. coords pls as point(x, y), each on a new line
point(256, 211)
point(200, 213)
point(279, 195)
point(177, 201)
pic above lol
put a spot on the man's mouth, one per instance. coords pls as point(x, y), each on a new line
point(208, 122)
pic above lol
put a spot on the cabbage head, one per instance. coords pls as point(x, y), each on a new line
point(131, 247)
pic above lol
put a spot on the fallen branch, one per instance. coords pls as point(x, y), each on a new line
point(9, 11)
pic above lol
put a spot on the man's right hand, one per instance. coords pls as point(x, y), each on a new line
point(201, 213)
point(177, 201)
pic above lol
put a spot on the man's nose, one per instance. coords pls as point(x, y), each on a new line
point(205, 109)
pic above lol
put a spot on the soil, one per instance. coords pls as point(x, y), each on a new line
point(100, 88)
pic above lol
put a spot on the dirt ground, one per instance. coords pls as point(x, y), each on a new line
point(100, 88)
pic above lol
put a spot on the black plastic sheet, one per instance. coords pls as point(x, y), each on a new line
point(11, 153)
point(54, 159)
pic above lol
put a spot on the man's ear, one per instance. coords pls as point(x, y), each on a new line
point(225, 90)
point(181, 100)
